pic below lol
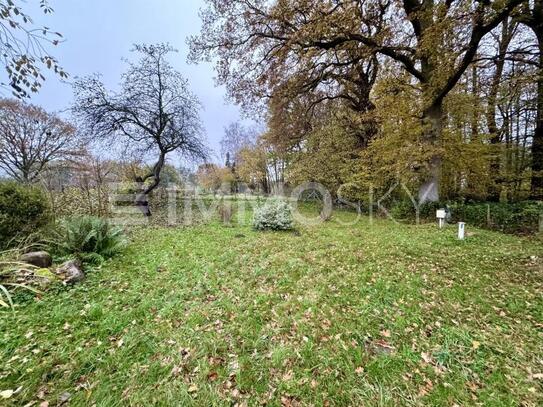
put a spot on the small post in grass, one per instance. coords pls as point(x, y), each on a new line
point(440, 215)
point(461, 230)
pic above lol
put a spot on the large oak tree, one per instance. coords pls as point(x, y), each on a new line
point(258, 41)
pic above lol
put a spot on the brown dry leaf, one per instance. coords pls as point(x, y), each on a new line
point(427, 388)
point(125, 393)
point(426, 357)
point(193, 388)
point(288, 376)
point(176, 371)
point(385, 333)
point(212, 376)
point(288, 401)
point(215, 361)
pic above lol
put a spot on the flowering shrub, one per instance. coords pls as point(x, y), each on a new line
point(273, 215)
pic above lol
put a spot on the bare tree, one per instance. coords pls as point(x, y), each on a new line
point(237, 136)
point(23, 48)
point(154, 112)
point(30, 138)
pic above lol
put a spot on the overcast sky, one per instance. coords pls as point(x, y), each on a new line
point(98, 33)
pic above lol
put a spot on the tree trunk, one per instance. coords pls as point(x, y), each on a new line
point(142, 197)
point(495, 136)
point(537, 143)
point(433, 123)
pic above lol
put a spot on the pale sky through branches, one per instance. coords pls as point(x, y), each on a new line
point(99, 33)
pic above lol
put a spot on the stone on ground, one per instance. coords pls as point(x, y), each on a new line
point(39, 259)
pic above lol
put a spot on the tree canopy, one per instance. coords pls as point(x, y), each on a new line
point(31, 138)
point(23, 48)
point(397, 74)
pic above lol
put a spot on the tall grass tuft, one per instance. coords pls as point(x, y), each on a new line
point(10, 269)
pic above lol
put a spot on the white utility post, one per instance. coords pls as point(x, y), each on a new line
point(440, 215)
point(461, 230)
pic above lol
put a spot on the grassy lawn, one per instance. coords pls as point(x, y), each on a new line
point(370, 314)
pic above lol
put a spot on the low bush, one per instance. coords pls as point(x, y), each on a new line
point(405, 210)
point(520, 217)
point(23, 210)
point(73, 201)
point(89, 239)
point(273, 215)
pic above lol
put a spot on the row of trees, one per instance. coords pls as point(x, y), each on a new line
point(445, 96)
point(250, 163)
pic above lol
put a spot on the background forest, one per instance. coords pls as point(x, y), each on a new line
point(444, 96)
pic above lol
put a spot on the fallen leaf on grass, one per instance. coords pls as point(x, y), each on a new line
point(385, 333)
point(427, 388)
point(6, 394)
point(176, 371)
point(288, 376)
point(288, 401)
point(426, 357)
point(64, 397)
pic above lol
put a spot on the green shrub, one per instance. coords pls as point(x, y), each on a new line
point(405, 210)
point(520, 217)
point(273, 215)
point(23, 210)
point(88, 239)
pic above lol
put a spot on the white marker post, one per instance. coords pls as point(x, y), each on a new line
point(461, 230)
point(440, 215)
